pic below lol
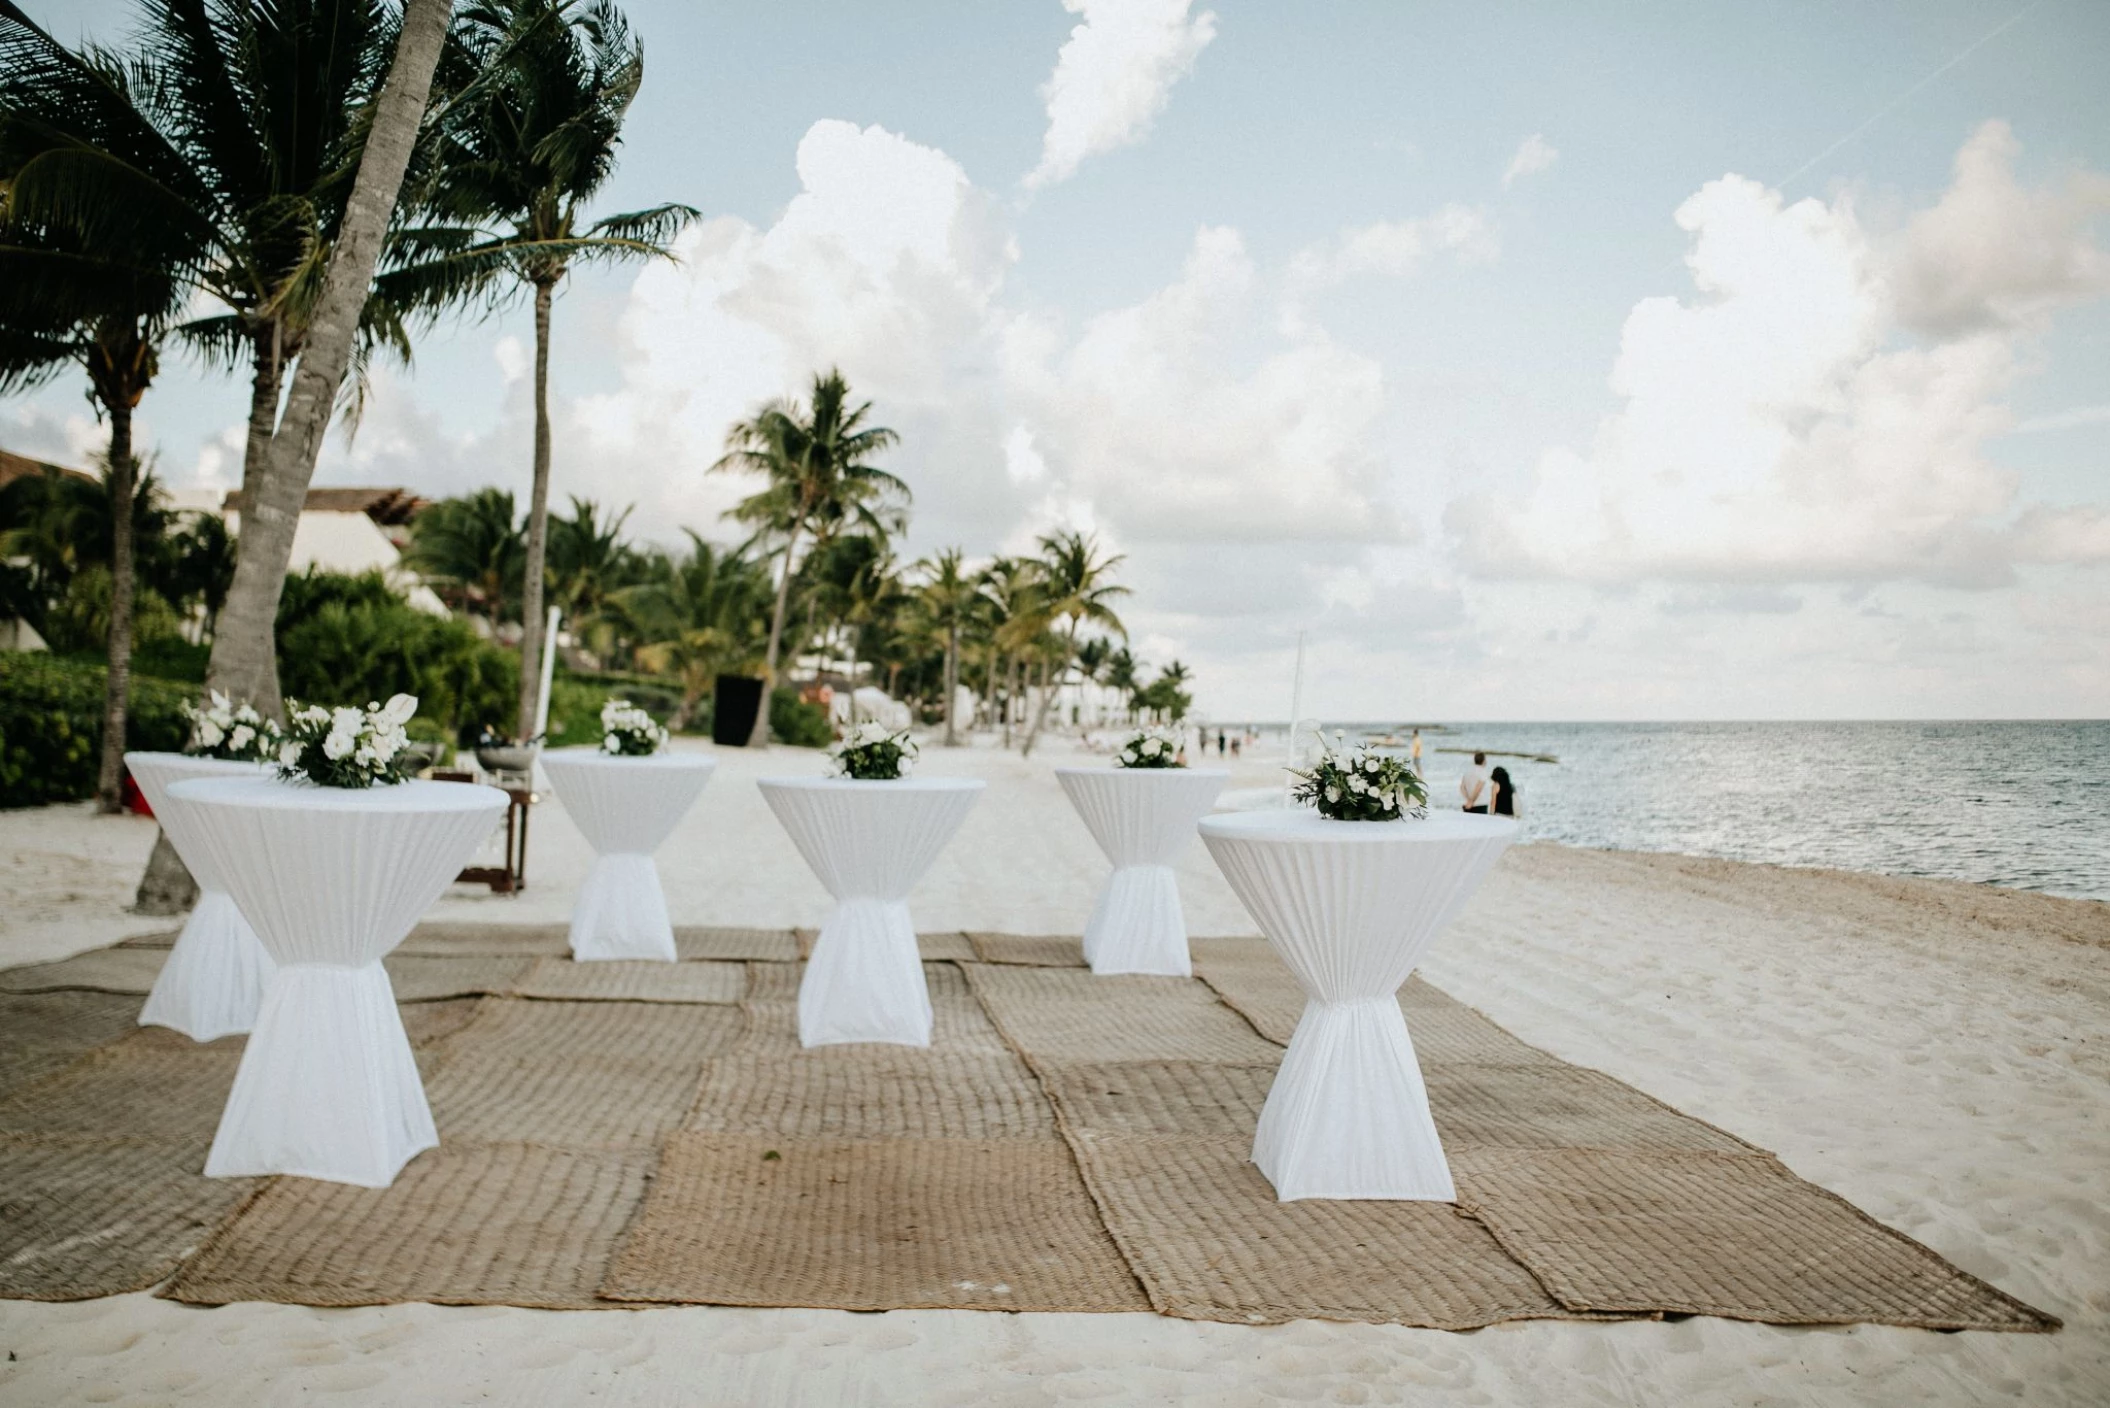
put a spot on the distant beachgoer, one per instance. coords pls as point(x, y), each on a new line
point(1414, 753)
point(1220, 745)
point(1505, 803)
point(1473, 785)
point(1235, 741)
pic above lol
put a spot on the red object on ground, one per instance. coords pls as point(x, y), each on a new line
point(132, 799)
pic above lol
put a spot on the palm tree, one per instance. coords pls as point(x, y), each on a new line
point(472, 548)
point(588, 563)
point(702, 618)
point(244, 656)
point(1079, 588)
point(814, 460)
point(1010, 589)
point(88, 288)
point(947, 596)
point(1120, 675)
point(516, 164)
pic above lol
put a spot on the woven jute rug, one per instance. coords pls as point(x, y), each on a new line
point(623, 1133)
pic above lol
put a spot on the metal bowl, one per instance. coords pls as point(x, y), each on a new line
point(512, 757)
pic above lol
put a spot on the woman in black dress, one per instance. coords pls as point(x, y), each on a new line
point(1505, 792)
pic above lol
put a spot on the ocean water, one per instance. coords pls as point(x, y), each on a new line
point(2023, 804)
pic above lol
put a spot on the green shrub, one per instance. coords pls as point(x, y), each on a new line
point(51, 726)
point(353, 640)
point(798, 723)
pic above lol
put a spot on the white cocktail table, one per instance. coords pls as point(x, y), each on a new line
point(331, 879)
point(1351, 906)
point(869, 842)
point(625, 807)
point(215, 975)
point(1142, 819)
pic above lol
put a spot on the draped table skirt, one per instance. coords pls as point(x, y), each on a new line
point(214, 979)
point(332, 880)
point(1142, 819)
point(626, 808)
point(1351, 907)
point(869, 843)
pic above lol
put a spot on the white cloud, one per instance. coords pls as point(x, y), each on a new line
point(1113, 76)
point(1787, 426)
point(1396, 248)
point(1534, 154)
point(2071, 419)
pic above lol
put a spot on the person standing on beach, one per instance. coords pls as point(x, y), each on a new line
point(1473, 785)
point(1414, 753)
point(1505, 792)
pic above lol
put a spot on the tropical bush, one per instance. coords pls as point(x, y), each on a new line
point(798, 723)
point(51, 723)
point(353, 640)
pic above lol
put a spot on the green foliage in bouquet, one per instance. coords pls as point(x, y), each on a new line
point(1358, 785)
point(1149, 748)
point(352, 748)
point(873, 753)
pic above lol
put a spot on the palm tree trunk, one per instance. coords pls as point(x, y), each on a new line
point(244, 662)
point(537, 525)
point(1047, 695)
point(952, 682)
point(760, 735)
point(109, 783)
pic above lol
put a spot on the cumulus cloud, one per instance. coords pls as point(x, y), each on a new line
point(1113, 76)
point(1534, 154)
point(1820, 410)
point(1395, 248)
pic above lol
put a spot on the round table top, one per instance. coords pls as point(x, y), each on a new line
point(272, 794)
point(860, 784)
point(233, 767)
point(587, 756)
point(1111, 770)
point(1302, 825)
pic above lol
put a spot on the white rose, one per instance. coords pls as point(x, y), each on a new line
point(1333, 794)
point(289, 754)
point(209, 733)
point(241, 737)
point(337, 745)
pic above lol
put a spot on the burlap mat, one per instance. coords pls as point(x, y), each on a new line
point(466, 1224)
point(1071, 1014)
point(153, 1083)
point(160, 938)
point(426, 978)
point(1715, 1234)
point(631, 980)
point(1159, 1097)
point(871, 1225)
point(41, 1035)
point(575, 1074)
point(1205, 1235)
point(1552, 1106)
point(737, 945)
point(872, 1092)
point(82, 1216)
point(441, 939)
point(1032, 950)
point(126, 970)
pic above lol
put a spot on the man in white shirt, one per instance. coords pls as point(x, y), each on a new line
point(1473, 785)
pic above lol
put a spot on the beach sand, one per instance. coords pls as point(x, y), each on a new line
point(1937, 1053)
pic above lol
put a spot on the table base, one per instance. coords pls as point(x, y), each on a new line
point(1348, 1116)
point(864, 981)
point(327, 1087)
point(621, 912)
point(1138, 926)
point(215, 976)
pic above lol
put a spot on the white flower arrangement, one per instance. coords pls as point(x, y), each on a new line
point(1359, 785)
point(348, 747)
point(627, 731)
point(1150, 748)
point(872, 752)
point(236, 732)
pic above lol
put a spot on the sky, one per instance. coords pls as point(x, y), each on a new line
point(1640, 360)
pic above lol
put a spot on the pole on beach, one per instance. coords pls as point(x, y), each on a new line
point(549, 670)
point(1296, 712)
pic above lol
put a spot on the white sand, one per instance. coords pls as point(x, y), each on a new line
point(1939, 1054)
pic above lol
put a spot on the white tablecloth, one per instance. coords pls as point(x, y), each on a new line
point(1352, 906)
point(869, 842)
point(1142, 818)
point(332, 879)
point(215, 975)
point(625, 807)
